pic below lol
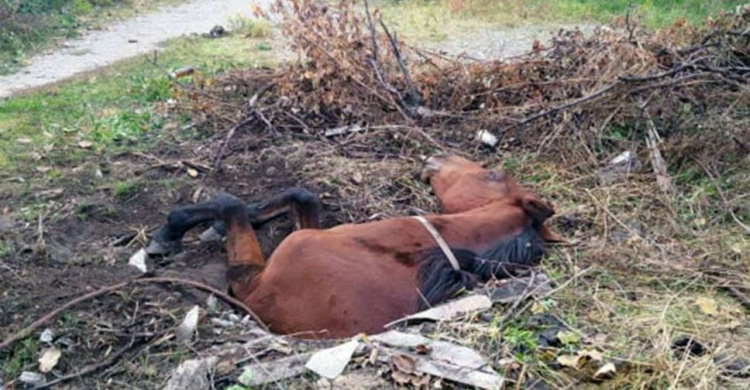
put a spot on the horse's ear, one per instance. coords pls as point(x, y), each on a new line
point(537, 209)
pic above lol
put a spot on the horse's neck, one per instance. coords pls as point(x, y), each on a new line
point(482, 228)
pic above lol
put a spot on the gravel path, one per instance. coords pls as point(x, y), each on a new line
point(129, 38)
point(486, 44)
point(143, 33)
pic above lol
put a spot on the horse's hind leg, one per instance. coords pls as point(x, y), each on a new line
point(245, 257)
point(169, 238)
point(302, 202)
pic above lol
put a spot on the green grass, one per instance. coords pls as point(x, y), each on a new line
point(439, 19)
point(29, 26)
point(111, 110)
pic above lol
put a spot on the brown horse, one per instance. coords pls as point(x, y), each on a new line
point(356, 278)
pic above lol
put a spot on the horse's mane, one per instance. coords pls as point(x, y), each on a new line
point(438, 281)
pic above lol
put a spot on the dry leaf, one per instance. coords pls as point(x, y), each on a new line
point(49, 359)
point(707, 305)
point(606, 371)
point(357, 178)
point(192, 172)
point(404, 363)
point(568, 360)
point(400, 377)
point(85, 144)
point(568, 337)
point(591, 354)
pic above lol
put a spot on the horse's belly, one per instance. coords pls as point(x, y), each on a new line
point(318, 286)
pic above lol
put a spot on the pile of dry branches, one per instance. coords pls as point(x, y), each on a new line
point(354, 70)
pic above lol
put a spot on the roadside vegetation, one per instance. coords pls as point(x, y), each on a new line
point(438, 19)
point(30, 26)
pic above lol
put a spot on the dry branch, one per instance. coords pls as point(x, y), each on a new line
point(109, 289)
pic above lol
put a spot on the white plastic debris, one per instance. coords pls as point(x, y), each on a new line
point(138, 260)
point(187, 328)
point(330, 363)
point(47, 336)
point(622, 158)
point(451, 310)
point(487, 138)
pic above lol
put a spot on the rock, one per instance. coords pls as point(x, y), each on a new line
point(686, 344)
point(31, 378)
point(193, 375)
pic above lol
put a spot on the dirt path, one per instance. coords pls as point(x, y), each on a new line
point(125, 39)
point(486, 44)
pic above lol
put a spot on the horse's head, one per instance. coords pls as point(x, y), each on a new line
point(462, 185)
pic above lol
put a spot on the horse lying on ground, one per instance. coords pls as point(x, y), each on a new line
point(356, 278)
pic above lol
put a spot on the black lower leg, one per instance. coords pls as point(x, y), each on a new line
point(304, 203)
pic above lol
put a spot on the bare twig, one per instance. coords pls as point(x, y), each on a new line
point(109, 289)
point(724, 200)
point(112, 359)
point(563, 107)
point(413, 95)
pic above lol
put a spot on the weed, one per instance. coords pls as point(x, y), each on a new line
point(250, 27)
point(126, 188)
point(23, 354)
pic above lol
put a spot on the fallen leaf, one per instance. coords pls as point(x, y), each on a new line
point(330, 363)
point(24, 141)
point(568, 337)
point(401, 378)
point(591, 354)
point(43, 169)
point(404, 363)
point(192, 172)
point(85, 144)
point(606, 371)
point(537, 308)
point(357, 178)
point(49, 359)
point(568, 360)
point(707, 305)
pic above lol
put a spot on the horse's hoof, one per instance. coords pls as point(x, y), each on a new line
point(155, 248)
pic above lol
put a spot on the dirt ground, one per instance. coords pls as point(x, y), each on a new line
point(631, 274)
